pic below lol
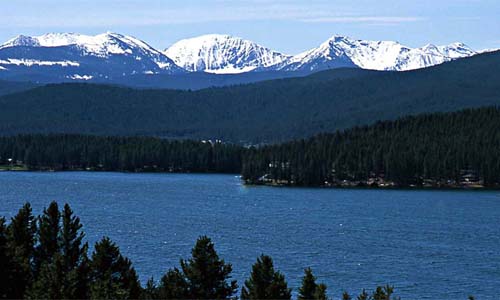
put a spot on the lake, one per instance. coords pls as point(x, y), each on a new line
point(428, 244)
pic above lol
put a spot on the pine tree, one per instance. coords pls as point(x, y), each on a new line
point(74, 253)
point(49, 280)
point(173, 285)
point(264, 282)
point(80, 279)
point(112, 275)
point(207, 275)
point(363, 296)
point(48, 236)
point(5, 263)
point(308, 288)
point(21, 240)
point(383, 293)
point(320, 293)
point(311, 290)
point(346, 296)
point(150, 291)
point(61, 263)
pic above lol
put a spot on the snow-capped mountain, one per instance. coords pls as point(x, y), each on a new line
point(77, 56)
point(113, 57)
point(222, 54)
point(340, 51)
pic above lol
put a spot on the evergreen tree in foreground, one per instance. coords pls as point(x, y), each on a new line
point(363, 296)
point(346, 296)
point(48, 272)
point(309, 289)
point(150, 291)
point(380, 293)
point(5, 263)
point(383, 293)
point(264, 282)
point(206, 274)
point(173, 285)
point(48, 236)
point(21, 242)
point(112, 275)
point(61, 263)
point(320, 293)
point(76, 265)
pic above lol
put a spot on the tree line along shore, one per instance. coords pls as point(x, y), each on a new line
point(441, 150)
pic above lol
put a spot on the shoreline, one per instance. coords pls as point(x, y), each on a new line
point(364, 187)
point(113, 171)
point(273, 185)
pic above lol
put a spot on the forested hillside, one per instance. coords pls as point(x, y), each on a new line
point(10, 87)
point(434, 150)
point(270, 111)
point(438, 150)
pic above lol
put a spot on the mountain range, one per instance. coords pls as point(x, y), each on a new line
point(262, 112)
point(122, 59)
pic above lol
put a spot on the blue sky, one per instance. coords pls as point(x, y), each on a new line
point(289, 26)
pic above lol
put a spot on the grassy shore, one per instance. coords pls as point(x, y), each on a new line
point(13, 168)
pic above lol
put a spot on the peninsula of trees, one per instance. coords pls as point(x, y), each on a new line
point(435, 150)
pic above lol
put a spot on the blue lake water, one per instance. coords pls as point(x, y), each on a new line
point(428, 244)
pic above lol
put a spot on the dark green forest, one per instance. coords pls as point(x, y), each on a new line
point(47, 257)
point(265, 112)
point(438, 150)
point(10, 87)
point(459, 149)
point(132, 154)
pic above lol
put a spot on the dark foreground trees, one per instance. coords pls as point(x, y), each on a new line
point(111, 274)
point(265, 282)
point(203, 276)
point(45, 257)
point(310, 289)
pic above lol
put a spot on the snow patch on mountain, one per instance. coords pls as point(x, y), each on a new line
point(222, 54)
point(32, 62)
point(80, 77)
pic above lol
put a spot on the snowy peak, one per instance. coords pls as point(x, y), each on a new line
point(100, 45)
point(457, 50)
point(217, 53)
point(110, 55)
point(339, 51)
point(119, 54)
point(21, 40)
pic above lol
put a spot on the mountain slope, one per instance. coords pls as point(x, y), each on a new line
point(269, 111)
point(340, 51)
point(10, 87)
point(222, 54)
point(82, 57)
